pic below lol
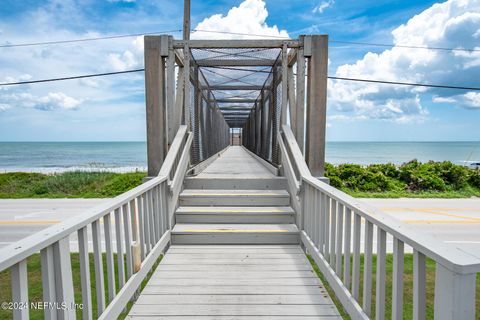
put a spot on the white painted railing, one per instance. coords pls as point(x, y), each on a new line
point(331, 224)
point(136, 230)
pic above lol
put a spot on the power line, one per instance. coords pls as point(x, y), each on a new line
point(407, 83)
point(70, 78)
point(402, 46)
point(231, 33)
point(237, 79)
point(31, 44)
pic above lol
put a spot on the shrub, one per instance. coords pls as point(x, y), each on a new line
point(389, 169)
point(474, 178)
point(336, 182)
point(454, 175)
point(426, 181)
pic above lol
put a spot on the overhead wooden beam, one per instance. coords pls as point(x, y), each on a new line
point(212, 62)
point(232, 100)
point(199, 44)
point(236, 109)
point(227, 87)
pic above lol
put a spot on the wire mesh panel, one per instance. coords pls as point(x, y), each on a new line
point(235, 88)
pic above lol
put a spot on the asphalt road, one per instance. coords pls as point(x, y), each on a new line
point(454, 221)
point(20, 218)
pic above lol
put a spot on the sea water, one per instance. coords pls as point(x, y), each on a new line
point(51, 157)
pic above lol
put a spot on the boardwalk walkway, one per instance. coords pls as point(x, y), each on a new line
point(234, 282)
point(255, 281)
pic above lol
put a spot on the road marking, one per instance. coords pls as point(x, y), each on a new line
point(20, 222)
point(440, 222)
point(238, 210)
point(466, 242)
point(232, 230)
point(435, 211)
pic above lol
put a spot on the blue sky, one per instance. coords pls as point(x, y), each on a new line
point(112, 108)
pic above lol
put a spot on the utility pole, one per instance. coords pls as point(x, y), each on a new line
point(186, 20)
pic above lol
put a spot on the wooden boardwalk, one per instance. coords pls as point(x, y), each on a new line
point(248, 280)
point(234, 282)
point(235, 162)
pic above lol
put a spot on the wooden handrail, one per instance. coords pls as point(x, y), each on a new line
point(325, 209)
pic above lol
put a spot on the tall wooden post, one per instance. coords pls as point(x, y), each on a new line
point(156, 51)
point(316, 48)
point(186, 19)
point(300, 109)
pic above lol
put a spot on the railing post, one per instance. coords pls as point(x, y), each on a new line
point(63, 278)
point(454, 294)
point(20, 289)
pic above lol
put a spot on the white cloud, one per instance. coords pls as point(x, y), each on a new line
point(4, 107)
point(57, 100)
point(322, 6)
point(49, 102)
point(456, 24)
point(249, 18)
point(124, 61)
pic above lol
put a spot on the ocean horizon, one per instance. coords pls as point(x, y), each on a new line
point(130, 156)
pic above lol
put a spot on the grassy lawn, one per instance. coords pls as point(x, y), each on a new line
point(410, 180)
point(407, 285)
point(35, 286)
point(68, 184)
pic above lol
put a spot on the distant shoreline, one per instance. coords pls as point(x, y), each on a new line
point(59, 170)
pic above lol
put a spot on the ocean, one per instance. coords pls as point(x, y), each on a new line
point(49, 157)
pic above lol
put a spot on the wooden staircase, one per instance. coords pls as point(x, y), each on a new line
point(232, 209)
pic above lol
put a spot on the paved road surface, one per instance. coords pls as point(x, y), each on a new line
point(20, 218)
point(455, 221)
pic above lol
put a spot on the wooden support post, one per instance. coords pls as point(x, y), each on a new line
point(284, 84)
point(292, 101)
point(197, 100)
point(317, 103)
point(186, 87)
point(186, 19)
point(258, 127)
point(273, 117)
point(300, 109)
point(172, 123)
point(156, 49)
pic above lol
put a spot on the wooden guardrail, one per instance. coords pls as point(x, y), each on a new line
point(136, 230)
point(331, 222)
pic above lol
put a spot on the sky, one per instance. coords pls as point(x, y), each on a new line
point(113, 108)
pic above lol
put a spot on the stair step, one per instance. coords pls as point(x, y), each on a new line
point(235, 234)
point(202, 197)
point(274, 215)
point(236, 183)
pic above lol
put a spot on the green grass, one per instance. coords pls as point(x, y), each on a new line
point(35, 285)
point(407, 287)
point(68, 184)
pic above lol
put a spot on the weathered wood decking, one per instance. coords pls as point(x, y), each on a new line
point(235, 162)
point(230, 281)
point(234, 282)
